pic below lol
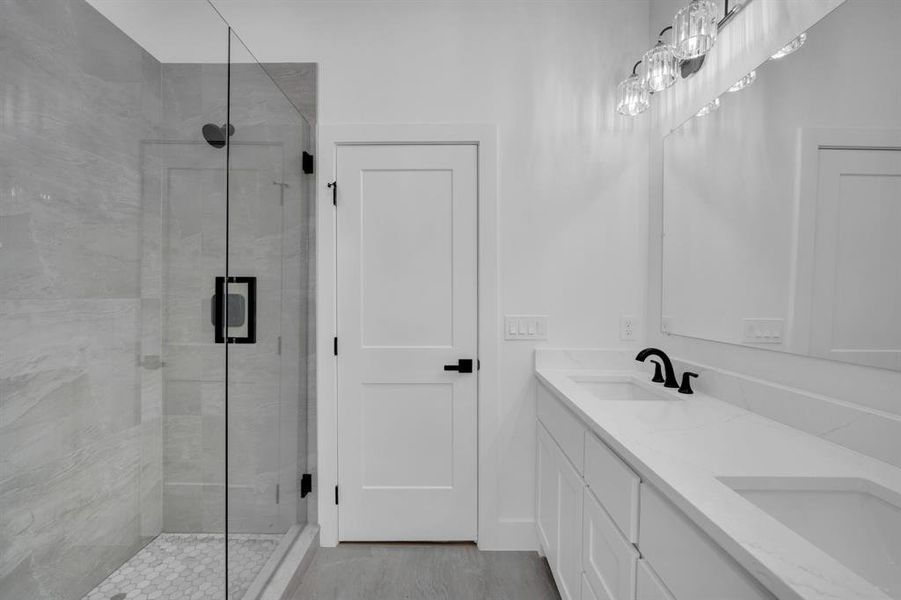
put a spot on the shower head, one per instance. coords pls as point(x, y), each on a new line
point(215, 135)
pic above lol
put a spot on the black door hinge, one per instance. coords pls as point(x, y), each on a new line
point(336, 346)
point(334, 187)
point(307, 163)
point(306, 484)
point(336, 494)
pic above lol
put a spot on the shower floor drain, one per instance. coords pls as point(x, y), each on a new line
point(182, 566)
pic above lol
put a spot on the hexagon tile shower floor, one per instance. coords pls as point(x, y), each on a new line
point(188, 566)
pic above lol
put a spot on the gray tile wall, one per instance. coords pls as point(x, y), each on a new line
point(80, 387)
point(112, 228)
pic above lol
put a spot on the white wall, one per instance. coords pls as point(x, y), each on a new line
point(572, 175)
point(762, 27)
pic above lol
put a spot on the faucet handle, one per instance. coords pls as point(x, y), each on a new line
point(658, 374)
point(685, 388)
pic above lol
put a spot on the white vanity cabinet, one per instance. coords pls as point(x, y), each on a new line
point(609, 536)
point(559, 510)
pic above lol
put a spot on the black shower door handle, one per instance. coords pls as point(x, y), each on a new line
point(247, 314)
point(464, 365)
point(219, 311)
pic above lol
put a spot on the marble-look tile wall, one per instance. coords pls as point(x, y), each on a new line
point(80, 384)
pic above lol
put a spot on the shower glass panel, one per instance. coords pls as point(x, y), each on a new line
point(154, 270)
point(266, 445)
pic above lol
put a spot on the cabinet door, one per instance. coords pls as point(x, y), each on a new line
point(587, 592)
point(546, 500)
point(608, 558)
point(648, 586)
point(569, 550)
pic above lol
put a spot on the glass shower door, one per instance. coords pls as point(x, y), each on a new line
point(264, 324)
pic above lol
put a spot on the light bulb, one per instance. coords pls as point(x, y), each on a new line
point(744, 82)
point(792, 46)
point(709, 108)
point(695, 29)
point(632, 97)
point(659, 67)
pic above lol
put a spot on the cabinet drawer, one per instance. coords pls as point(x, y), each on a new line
point(609, 560)
point(649, 586)
point(614, 484)
point(566, 429)
point(690, 564)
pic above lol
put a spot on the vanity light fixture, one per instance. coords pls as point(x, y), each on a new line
point(659, 66)
point(632, 97)
point(791, 47)
point(709, 108)
point(695, 29)
point(744, 82)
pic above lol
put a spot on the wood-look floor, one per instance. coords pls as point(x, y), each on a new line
point(425, 572)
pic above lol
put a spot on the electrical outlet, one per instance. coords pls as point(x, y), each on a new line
point(628, 328)
point(525, 327)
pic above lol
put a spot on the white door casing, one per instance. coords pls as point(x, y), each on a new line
point(407, 305)
point(855, 313)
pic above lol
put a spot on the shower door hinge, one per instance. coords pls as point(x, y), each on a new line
point(277, 492)
point(336, 346)
point(279, 345)
point(334, 187)
point(336, 494)
point(306, 484)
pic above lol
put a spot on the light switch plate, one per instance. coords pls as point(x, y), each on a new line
point(628, 328)
point(762, 331)
point(525, 327)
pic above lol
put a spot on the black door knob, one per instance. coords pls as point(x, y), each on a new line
point(464, 365)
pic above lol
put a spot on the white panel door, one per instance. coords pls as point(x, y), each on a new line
point(856, 311)
point(407, 307)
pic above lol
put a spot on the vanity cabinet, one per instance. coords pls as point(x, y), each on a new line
point(559, 510)
point(609, 536)
point(689, 563)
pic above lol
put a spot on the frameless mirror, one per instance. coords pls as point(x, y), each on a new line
point(782, 206)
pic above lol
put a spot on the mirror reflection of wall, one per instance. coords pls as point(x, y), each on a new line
point(782, 208)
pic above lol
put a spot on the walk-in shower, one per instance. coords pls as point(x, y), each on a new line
point(155, 306)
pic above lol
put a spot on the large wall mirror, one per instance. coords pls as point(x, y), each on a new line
point(782, 206)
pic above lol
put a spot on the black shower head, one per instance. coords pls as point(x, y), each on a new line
point(215, 135)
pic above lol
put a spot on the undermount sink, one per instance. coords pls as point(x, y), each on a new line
point(613, 389)
point(855, 521)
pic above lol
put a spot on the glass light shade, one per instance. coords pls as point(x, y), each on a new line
point(659, 67)
point(695, 29)
point(632, 98)
point(709, 108)
point(792, 46)
point(744, 82)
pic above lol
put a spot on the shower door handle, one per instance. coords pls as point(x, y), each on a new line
point(235, 310)
point(219, 311)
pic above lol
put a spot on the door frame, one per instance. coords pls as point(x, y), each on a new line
point(329, 139)
point(810, 142)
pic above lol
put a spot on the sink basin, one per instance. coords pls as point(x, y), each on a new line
point(618, 389)
point(855, 521)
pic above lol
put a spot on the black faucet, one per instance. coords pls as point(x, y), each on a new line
point(670, 381)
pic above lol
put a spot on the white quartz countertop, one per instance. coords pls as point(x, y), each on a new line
point(683, 445)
